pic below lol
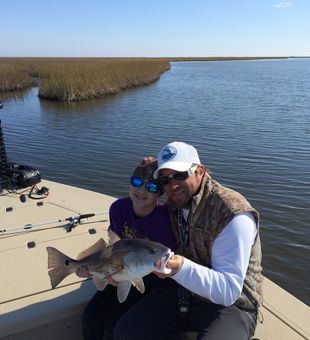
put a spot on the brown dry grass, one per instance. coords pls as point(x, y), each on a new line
point(75, 79)
point(13, 76)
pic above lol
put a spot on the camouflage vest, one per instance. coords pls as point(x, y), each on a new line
point(211, 210)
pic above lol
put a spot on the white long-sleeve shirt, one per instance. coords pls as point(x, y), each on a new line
point(222, 284)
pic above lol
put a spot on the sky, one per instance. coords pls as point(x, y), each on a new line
point(157, 28)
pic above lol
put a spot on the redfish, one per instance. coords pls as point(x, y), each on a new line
point(125, 261)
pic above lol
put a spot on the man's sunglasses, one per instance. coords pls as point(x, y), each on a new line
point(150, 186)
point(178, 176)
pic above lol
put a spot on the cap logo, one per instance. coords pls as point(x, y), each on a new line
point(168, 153)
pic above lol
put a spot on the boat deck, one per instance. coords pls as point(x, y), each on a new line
point(30, 309)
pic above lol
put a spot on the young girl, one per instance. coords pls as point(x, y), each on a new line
point(138, 216)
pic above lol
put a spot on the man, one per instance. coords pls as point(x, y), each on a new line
point(216, 275)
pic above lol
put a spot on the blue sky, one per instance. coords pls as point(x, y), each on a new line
point(157, 28)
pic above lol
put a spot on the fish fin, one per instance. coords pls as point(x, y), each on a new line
point(100, 283)
point(113, 237)
point(123, 290)
point(139, 284)
point(58, 265)
point(99, 245)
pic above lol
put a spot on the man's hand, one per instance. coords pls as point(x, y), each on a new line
point(175, 263)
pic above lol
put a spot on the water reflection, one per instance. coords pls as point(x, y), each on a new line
point(11, 96)
point(53, 107)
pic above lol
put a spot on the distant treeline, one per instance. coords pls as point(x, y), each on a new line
point(75, 79)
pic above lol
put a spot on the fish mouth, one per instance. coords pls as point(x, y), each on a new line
point(160, 264)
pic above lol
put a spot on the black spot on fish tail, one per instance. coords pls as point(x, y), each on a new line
point(58, 265)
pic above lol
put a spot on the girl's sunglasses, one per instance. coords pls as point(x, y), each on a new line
point(150, 186)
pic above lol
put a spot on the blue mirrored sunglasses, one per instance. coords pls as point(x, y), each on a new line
point(150, 186)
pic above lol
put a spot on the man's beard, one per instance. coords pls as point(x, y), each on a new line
point(179, 204)
point(183, 203)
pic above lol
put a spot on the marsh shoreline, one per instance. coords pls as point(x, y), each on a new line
point(80, 79)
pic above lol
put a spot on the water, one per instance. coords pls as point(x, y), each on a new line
point(248, 119)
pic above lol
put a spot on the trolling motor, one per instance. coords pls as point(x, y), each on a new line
point(15, 176)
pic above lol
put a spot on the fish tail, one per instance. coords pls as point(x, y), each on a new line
point(59, 265)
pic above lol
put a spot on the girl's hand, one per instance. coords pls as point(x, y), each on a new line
point(83, 272)
point(111, 281)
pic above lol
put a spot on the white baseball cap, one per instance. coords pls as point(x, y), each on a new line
point(177, 156)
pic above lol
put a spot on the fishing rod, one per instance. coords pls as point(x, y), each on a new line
point(73, 221)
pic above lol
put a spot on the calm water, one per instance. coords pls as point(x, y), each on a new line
point(250, 121)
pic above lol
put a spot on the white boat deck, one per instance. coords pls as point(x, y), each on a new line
point(29, 309)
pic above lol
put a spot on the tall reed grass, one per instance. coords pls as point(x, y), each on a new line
point(14, 76)
point(75, 79)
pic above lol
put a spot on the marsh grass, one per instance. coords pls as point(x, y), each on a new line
point(76, 79)
point(14, 76)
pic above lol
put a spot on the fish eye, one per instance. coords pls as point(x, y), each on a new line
point(152, 251)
